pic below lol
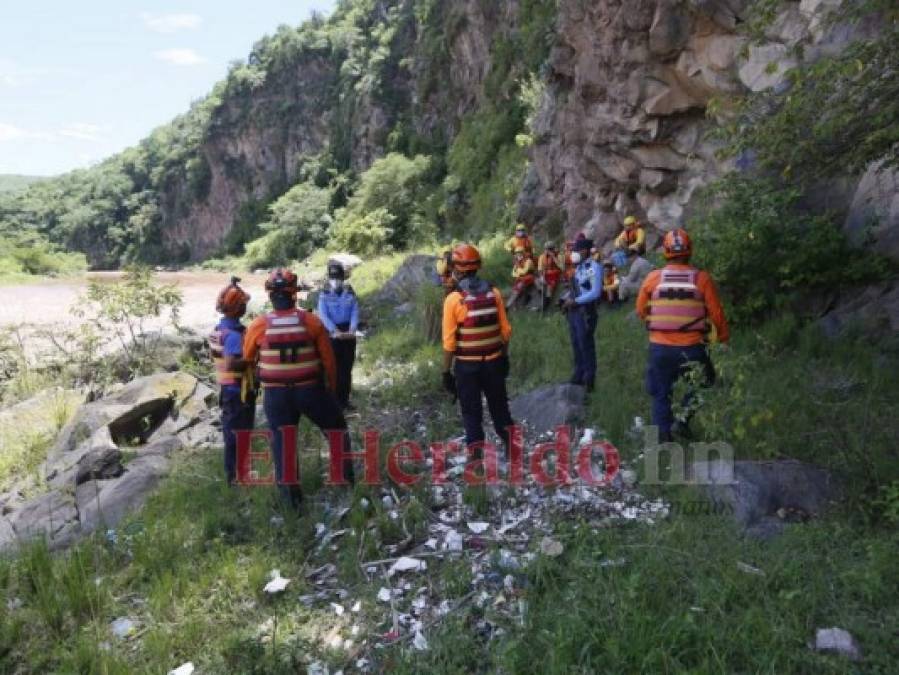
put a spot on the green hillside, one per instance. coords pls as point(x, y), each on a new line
point(12, 182)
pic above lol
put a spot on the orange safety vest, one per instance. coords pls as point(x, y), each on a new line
point(288, 356)
point(216, 341)
point(550, 262)
point(677, 305)
point(479, 336)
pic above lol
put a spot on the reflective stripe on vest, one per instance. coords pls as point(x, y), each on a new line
point(479, 336)
point(287, 355)
point(216, 342)
point(677, 305)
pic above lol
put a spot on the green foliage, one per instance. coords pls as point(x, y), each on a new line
point(14, 183)
point(368, 234)
point(764, 249)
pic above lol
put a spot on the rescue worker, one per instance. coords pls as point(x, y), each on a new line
point(476, 335)
point(523, 279)
point(679, 304)
point(610, 284)
point(296, 366)
point(444, 267)
point(639, 268)
point(580, 307)
point(633, 237)
point(520, 241)
point(549, 273)
point(338, 308)
point(237, 395)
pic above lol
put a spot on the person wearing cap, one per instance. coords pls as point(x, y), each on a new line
point(476, 336)
point(292, 352)
point(680, 305)
point(633, 237)
point(237, 396)
point(338, 308)
point(638, 269)
point(520, 241)
point(585, 289)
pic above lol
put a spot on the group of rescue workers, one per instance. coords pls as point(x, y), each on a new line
point(303, 360)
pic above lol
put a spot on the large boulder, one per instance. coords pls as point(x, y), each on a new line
point(415, 272)
point(52, 516)
point(759, 493)
point(542, 410)
point(42, 413)
point(105, 503)
point(873, 218)
point(874, 310)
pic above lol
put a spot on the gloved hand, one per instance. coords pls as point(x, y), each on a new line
point(504, 366)
point(449, 382)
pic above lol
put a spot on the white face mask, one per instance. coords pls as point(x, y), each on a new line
point(576, 258)
point(335, 284)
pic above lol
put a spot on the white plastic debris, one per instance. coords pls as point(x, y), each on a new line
point(276, 521)
point(123, 627)
point(357, 607)
point(384, 595)
point(320, 530)
point(839, 641)
point(749, 569)
point(405, 564)
point(13, 604)
point(453, 541)
point(277, 583)
point(478, 528)
point(587, 438)
point(338, 609)
point(183, 669)
point(431, 544)
point(420, 642)
point(551, 547)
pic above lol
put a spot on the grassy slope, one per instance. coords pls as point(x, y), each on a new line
point(191, 566)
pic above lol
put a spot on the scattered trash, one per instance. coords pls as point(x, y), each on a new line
point(453, 541)
point(338, 609)
point(320, 530)
point(276, 521)
point(384, 595)
point(551, 547)
point(478, 528)
point(13, 604)
point(839, 641)
point(407, 565)
point(431, 544)
point(183, 669)
point(420, 642)
point(357, 607)
point(619, 562)
point(749, 569)
point(123, 627)
point(277, 583)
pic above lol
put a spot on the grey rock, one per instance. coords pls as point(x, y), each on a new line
point(873, 218)
point(107, 502)
point(165, 446)
point(546, 408)
point(7, 534)
point(670, 29)
point(765, 66)
point(52, 516)
point(838, 641)
point(97, 457)
point(874, 310)
point(415, 272)
point(754, 492)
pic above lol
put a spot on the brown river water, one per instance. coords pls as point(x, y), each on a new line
point(47, 303)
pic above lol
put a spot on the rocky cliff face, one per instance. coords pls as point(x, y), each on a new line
point(625, 125)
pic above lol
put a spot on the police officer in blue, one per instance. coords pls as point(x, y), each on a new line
point(338, 308)
point(580, 307)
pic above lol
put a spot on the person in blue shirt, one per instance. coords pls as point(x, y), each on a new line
point(237, 399)
point(580, 307)
point(338, 308)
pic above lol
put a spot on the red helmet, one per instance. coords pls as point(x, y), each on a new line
point(677, 244)
point(232, 300)
point(466, 258)
point(281, 280)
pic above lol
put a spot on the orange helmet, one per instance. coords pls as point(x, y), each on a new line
point(281, 280)
point(677, 244)
point(232, 301)
point(466, 258)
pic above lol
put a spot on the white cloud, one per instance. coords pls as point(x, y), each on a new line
point(81, 132)
point(8, 132)
point(170, 23)
point(180, 57)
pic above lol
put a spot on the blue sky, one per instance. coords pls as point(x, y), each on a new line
point(82, 80)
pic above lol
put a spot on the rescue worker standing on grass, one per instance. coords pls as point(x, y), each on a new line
point(338, 308)
point(237, 396)
point(678, 303)
point(580, 308)
point(292, 350)
point(476, 335)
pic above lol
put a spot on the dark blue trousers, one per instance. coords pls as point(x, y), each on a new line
point(665, 366)
point(236, 415)
point(474, 378)
point(284, 406)
point(582, 327)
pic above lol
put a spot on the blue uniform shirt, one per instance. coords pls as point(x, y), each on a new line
point(232, 345)
point(337, 308)
point(588, 278)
